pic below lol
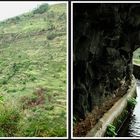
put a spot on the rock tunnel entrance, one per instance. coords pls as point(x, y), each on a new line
point(105, 37)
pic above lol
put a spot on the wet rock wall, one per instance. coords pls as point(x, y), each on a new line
point(105, 37)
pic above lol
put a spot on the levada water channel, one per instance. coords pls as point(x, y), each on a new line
point(131, 127)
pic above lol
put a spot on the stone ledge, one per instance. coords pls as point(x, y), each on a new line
point(109, 117)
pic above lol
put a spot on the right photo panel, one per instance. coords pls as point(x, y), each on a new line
point(106, 69)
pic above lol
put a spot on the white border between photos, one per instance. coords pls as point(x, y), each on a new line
point(67, 75)
point(72, 2)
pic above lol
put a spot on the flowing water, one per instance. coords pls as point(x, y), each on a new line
point(131, 127)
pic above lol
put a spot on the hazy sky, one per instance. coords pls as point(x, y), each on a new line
point(10, 9)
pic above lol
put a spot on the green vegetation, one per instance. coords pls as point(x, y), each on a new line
point(74, 120)
point(114, 128)
point(33, 73)
point(111, 130)
point(120, 119)
point(136, 56)
point(41, 9)
point(131, 102)
point(9, 118)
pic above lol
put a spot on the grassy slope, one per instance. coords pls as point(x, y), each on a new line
point(33, 74)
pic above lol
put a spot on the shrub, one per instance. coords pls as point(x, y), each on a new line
point(15, 19)
point(4, 81)
point(111, 130)
point(131, 102)
point(9, 118)
point(41, 9)
point(51, 35)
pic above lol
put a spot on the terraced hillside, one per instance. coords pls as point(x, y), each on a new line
point(33, 73)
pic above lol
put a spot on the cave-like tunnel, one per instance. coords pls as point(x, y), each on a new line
point(105, 37)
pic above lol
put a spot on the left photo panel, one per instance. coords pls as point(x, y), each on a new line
point(33, 69)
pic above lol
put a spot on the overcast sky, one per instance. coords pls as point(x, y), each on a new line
point(10, 9)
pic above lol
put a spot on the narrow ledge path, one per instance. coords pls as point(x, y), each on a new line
point(100, 128)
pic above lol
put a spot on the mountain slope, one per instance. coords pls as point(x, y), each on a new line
point(33, 73)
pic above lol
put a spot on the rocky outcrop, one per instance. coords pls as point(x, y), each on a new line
point(105, 36)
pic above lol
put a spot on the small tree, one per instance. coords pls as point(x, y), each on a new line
point(41, 9)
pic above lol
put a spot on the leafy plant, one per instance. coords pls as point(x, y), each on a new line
point(111, 130)
point(9, 118)
point(131, 102)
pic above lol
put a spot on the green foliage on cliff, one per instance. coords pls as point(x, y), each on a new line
point(131, 102)
point(33, 73)
point(111, 130)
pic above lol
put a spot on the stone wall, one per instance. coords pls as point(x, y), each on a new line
point(105, 36)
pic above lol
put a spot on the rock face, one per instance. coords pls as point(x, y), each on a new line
point(105, 36)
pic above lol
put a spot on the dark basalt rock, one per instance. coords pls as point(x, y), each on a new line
point(105, 36)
